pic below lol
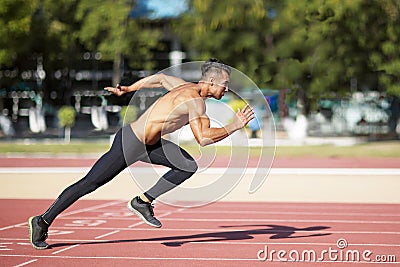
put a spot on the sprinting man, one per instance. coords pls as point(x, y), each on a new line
point(141, 141)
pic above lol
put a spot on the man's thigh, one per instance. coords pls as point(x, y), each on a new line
point(171, 155)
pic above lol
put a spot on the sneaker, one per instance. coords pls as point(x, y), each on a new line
point(38, 232)
point(144, 211)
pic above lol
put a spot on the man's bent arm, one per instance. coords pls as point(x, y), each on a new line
point(205, 135)
point(200, 123)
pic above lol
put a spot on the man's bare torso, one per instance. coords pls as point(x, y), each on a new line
point(166, 115)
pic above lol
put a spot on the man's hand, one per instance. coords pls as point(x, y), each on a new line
point(242, 117)
point(118, 90)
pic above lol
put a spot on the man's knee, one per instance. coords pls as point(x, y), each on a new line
point(191, 166)
point(187, 171)
point(185, 165)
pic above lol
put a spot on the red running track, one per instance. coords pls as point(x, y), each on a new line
point(105, 233)
point(279, 162)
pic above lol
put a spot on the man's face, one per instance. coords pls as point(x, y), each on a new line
point(220, 85)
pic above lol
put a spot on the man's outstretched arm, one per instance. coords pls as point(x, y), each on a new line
point(200, 123)
point(154, 81)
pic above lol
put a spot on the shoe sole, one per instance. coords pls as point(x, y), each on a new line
point(128, 205)
point(31, 233)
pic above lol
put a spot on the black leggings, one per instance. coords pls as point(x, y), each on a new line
point(125, 150)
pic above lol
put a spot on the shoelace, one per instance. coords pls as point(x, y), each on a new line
point(151, 208)
point(44, 230)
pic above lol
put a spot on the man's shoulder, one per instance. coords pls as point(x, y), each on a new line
point(188, 92)
point(189, 98)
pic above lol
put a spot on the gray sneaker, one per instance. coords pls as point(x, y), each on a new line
point(38, 232)
point(144, 211)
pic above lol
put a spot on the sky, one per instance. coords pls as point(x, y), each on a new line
point(155, 9)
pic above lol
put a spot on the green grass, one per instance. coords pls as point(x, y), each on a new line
point(373, 149)
point(378, 149)
point(72, 148)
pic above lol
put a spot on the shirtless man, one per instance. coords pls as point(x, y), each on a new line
point(141, 141)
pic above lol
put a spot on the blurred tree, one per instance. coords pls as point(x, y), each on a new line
point(54, 36)
point(15, 27)
point(66, 119)
point(60, 28)
point(318, 48)
point(128, 114)
point(385, 58)
point(316, 53)
point(38, 32)
point(330, 47)
point(236, 32)
point(59, 32)
point(107, 28)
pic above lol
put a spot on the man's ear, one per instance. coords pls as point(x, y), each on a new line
point(212, 80)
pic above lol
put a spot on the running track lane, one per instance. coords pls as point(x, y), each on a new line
point(105, 233)
point(279, 162)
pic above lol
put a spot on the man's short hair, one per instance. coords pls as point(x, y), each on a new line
point(212, 67)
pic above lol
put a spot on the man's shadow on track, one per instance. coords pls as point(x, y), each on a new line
point(275, 232)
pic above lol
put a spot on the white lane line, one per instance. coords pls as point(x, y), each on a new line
point(13, 226)
point(282, 220)
point(112, 203)
point(107, 234)
point(75, 212)
point(214, 171)
point(334, 171)
point(267, 213)
point(136, 224)
point(208, 211)
point(216, 243)
point(68, 213)
point(160, 216)
point(93, 209)
point(142, 222)
point(222, 230)
point(248, 220)
point(176, 259)
point(133, 258)
point(23, 244)
point(294, 213)
point(44, 170)
point(65, 249)
point(25, 263)
point(3, 246)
